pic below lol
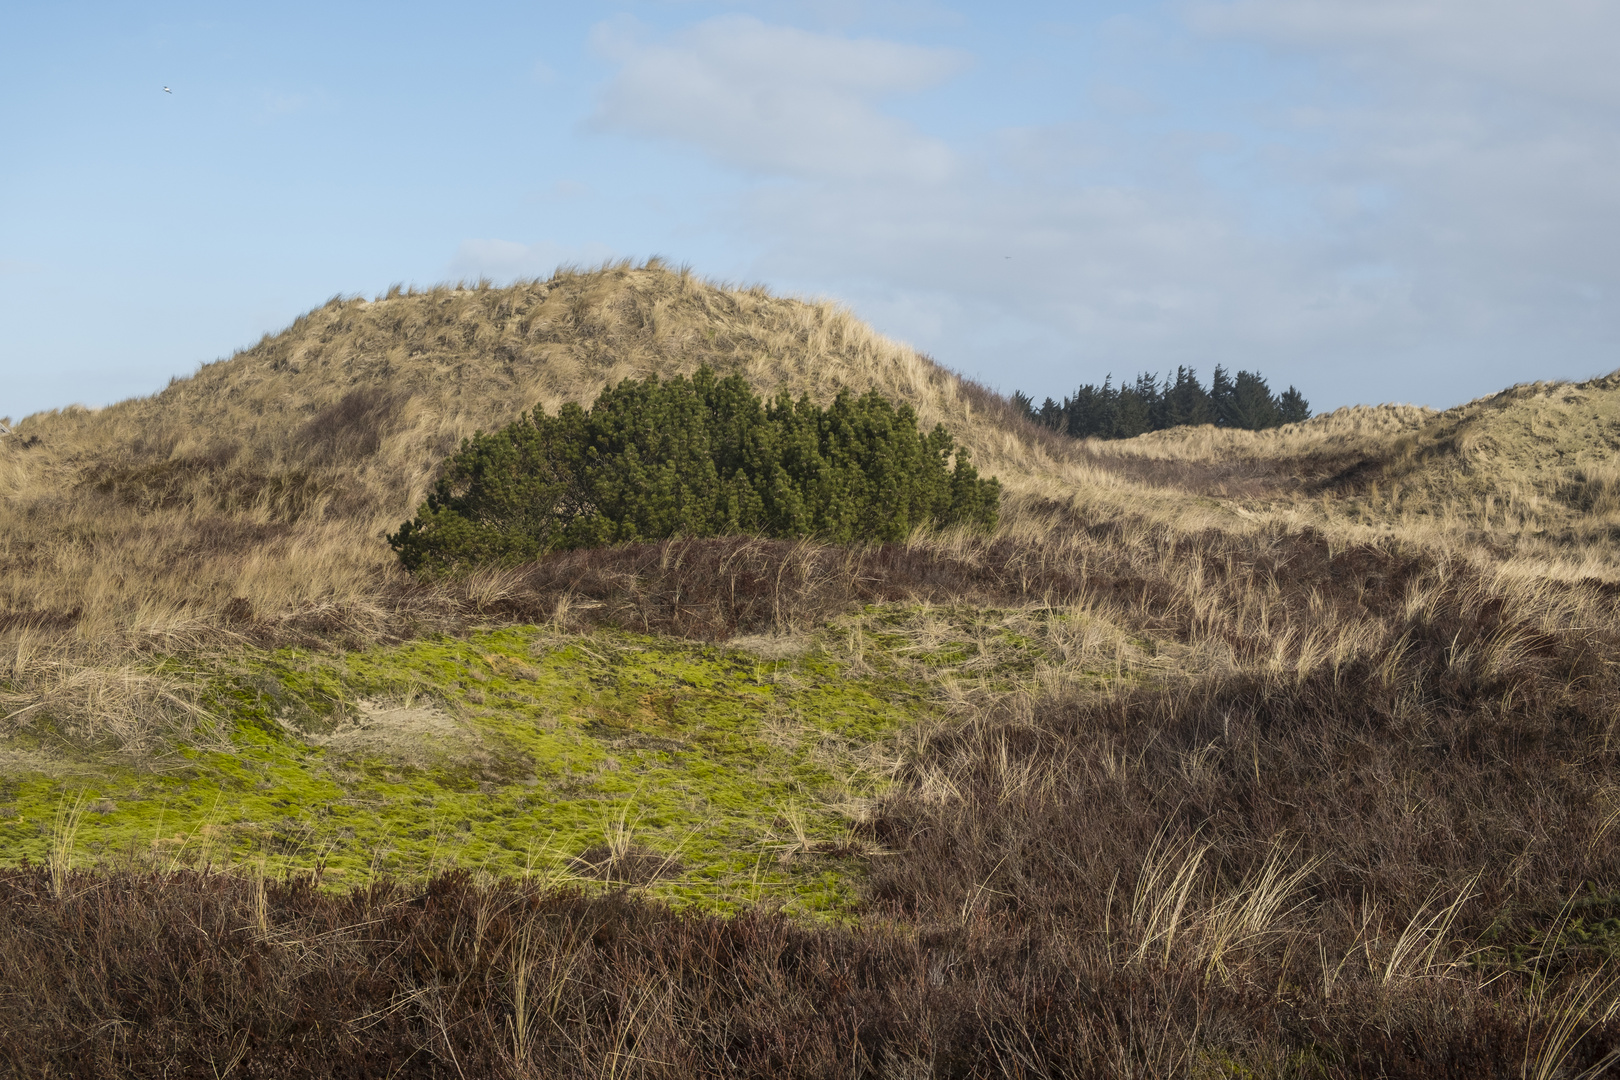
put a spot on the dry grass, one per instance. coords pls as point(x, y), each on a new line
point(1296, 864)
point(382, 390)
point(258, 490)
point(1526, 474)
point(1362, 430)
point(1316, 765)
point(141, 529)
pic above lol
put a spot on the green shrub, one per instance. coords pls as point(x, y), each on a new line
point(693, 457)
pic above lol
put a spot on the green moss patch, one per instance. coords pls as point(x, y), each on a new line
point(711, 775)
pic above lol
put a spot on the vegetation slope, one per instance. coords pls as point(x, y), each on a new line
point(1227, 754)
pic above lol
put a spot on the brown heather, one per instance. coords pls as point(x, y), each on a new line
point(1359, 819)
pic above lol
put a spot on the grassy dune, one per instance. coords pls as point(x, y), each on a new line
point(1230, 754)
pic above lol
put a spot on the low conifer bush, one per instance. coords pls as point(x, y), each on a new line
point(704, 456)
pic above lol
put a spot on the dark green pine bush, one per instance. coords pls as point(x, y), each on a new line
point(693, 457)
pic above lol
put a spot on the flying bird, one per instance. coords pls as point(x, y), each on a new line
point(166, 90)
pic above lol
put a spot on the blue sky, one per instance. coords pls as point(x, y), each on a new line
point(1374, 200)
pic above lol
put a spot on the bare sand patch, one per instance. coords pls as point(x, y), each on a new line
point(415, 735)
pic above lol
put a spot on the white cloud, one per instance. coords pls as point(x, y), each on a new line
point(1455, 226)
point(1426, 212)
point(1036, 287)
point(776, 100)
point(505, 260)
point(1494, 127)
point(1561, 48)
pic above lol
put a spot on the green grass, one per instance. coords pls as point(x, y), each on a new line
point(527, 747)
point(1585, 927)
point(522, 749)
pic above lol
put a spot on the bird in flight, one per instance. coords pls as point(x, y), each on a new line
point(166, 90)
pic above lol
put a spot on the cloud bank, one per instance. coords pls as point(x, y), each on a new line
point(776, 100)
point(1425, 211)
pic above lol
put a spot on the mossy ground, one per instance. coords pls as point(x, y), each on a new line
point(725, 774)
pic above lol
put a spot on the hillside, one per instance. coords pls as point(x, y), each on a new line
point(1527, 472)
point(251, 497)
point(1228, 754)
point(262, 483)
point(378, 392)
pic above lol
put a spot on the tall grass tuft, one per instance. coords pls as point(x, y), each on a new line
point(64, 834)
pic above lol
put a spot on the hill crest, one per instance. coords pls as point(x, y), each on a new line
point(387, 388)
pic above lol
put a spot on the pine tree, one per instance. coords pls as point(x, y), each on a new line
point(1221, 397)
point(1051, 415)
point(1147, 404)
point(698, 457)
point(1093, 411)
point(1184, 402)
point(1292, 408)
point(1253, 407)
point(1139, 405)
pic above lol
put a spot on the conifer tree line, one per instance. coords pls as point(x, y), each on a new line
point(693, 457)
point(1129, 409)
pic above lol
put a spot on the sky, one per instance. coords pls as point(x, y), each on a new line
point(1372, 200)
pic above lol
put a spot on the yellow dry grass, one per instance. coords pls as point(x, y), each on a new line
point(1365, 429)
point(262, 485)
point(1528, 473)
point(268, 478)
point(453, 360)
